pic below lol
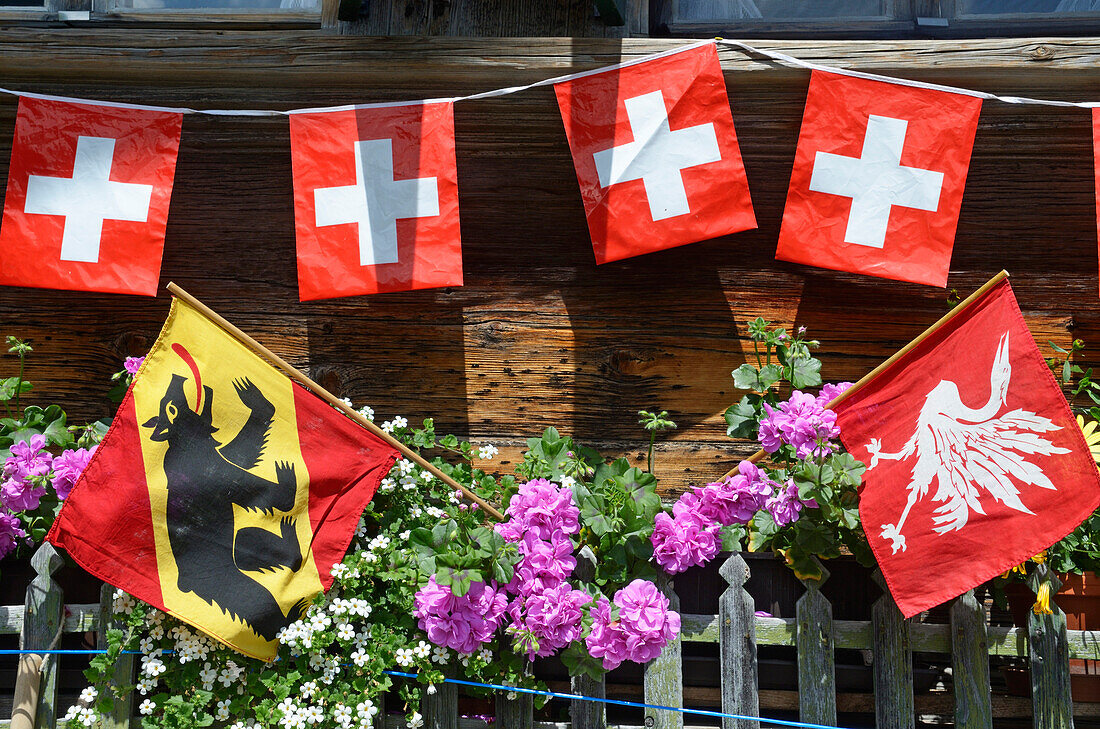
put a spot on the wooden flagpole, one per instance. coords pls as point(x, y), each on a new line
point(897, 355)
point(328, 397)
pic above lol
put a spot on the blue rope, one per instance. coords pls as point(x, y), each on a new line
point(501, 687)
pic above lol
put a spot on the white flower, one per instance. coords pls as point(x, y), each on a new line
point(308, 689)
point(404, 536)
point(87, 716)
point(367, 412)
point(339, 570)
point(347, 401)
point(487, 452)
point(404, 657)
point(360, 657)
point(408, 483)
point(404, 467)
point(345, 631)
point(314, 714)
point(152, 667)
point(146, 684)
point(422, 650)
point(440, 654)
point(380, 542)
point(388, 484)
point(416, 512)
point(223, 710)
point(341, 714)
point(359, 607)
point(435, 512)
point(415, 720)
point(400, 422)
point(485, 654)
point(568, 482)
point(156, 632)
point(366, 709)
point(426, 476)
point(72, 712)
point(146, 645)
point(123, 603)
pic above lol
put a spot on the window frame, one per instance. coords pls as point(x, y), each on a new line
point(106, 11)
point(897, 18)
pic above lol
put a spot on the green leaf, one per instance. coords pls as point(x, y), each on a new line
point(579, 663)
point(805, 372)
point(747, 377)
point(11, 387)
point(769, 375)
point(741, 418)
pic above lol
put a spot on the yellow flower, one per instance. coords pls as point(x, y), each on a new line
point(1021, 568)
point(1040, 558)
point(1092, 436)
point(1042, 600)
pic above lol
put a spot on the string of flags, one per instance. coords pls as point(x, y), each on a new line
point(876, 187)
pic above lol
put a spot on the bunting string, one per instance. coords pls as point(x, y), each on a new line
point(505, 91)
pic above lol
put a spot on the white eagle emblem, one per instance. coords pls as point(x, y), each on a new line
point(969, 452)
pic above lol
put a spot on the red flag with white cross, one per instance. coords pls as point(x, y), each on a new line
point(974, 460)
point(656, 153)
point(375, 199)
point(88, 192)
point(878, 178)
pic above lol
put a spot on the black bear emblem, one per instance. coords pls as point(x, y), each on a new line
point(205, 479)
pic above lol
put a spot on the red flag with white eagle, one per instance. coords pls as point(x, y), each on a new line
point(974, 460)
point(656, 153)
point(375, 199)
point(88, 193)
point(878, 178)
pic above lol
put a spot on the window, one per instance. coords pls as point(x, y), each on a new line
point(295, 12)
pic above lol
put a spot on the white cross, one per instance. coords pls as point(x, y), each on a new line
point(876, 181)
point(87, 198)
point(376, 201)
point(657, 155)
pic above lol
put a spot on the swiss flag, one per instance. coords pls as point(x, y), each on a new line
point(975, 462)
point(88, 193)
point(878, 178)
point(656, 153)
point(376, 199)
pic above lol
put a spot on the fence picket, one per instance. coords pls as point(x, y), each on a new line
point(1052, 706)
point(42, 618)
point(517, 712)
point(816, 659)
point(737, 646)
point(893, 667)
point(970, 664)
point(664, 678)
point(440, 706)
point(123, 675)
point(588, 714)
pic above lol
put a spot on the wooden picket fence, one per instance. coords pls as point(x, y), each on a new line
point(968, 639)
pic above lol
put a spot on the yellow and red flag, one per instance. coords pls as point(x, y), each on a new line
point(223, 492)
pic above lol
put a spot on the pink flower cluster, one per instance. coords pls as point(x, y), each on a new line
point(785, 506)
point(67, 468)
point(803, 423)
point(690, 537)
point(133, 364)
point(546, 611)
point(461, 623)
point(644, 625)
point(545, 621)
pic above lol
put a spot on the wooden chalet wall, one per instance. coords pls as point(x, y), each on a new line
point(540, 335)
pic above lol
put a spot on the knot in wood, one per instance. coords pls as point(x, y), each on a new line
point(1041, 53)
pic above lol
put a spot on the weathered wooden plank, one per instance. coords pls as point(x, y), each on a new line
point(1049, 653)
point(737, 646)
point(893, 664)
point(42, 623)
point(439, 706)
point(123, 676)
point(814, 639)
point(663, 677)
point(587, 714)
point(970, 664)
point(78, 618)
point(514, 710)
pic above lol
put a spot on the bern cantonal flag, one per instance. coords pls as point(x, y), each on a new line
point(974, 461)
point(87, 198)
point(223, 492)
point(878, 178)
point(375, 199)
point(656, 153)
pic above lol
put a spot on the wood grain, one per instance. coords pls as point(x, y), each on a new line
point(540, 335)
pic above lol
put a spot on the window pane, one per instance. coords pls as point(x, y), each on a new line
point(22, 3)
point(219, 4)
point(703, 10)
point(1042, 7)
